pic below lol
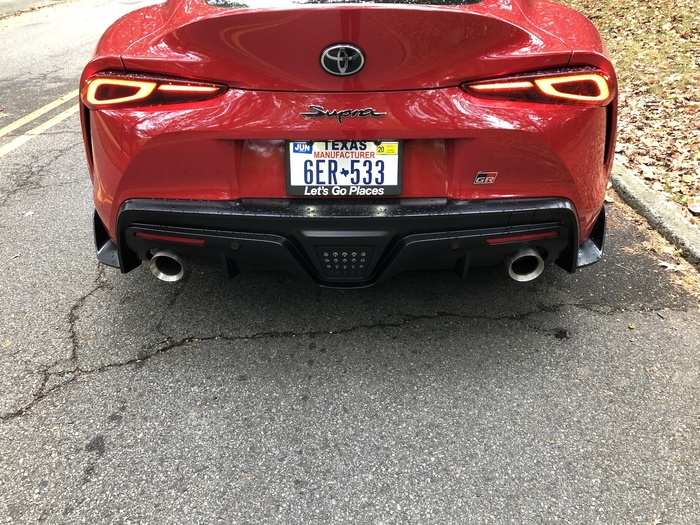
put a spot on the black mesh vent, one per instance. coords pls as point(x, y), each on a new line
point(345, 261)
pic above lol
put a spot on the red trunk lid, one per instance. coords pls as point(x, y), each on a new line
point(405, 46)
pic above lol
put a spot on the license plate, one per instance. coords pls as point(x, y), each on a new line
point(337, 168)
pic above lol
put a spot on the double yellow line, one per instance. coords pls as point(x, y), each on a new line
point(22, 139)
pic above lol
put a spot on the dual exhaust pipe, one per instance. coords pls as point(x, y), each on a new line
point(523, 267)
point(167, 267)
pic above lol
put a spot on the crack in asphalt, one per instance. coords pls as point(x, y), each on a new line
point(41, 392)
point(76, 371)
point(170, 305)
point(100, 284)
point(30, 172)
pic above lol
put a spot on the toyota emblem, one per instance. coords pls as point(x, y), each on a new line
point(342, 60)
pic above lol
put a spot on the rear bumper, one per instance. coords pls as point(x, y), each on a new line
point(349, 244)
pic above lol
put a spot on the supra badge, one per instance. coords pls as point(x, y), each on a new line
point(485, 177)
point(340, 114)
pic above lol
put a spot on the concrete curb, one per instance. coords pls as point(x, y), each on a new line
point(660, 213)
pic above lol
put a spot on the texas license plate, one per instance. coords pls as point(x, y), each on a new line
point(344, 168)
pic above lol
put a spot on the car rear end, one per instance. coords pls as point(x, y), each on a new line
point(468, 135)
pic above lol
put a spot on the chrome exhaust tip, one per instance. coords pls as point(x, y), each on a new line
point(525, 266)
point(167, 267)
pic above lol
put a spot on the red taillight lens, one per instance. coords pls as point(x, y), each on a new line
point(585, 87)
point(590, 87)
point(111, 91)
point(101, 92)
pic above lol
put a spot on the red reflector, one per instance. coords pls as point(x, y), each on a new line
point(523, 238)
point(169, 238)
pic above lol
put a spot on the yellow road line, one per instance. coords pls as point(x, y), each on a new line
point(29, 135)
point(36, 114)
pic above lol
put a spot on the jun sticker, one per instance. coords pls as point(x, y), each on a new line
point(303, 147)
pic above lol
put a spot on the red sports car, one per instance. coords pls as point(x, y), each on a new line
point(349, 141)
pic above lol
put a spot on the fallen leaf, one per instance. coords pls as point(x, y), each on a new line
point(670, 267)
point(647, 171)
point(694, 205)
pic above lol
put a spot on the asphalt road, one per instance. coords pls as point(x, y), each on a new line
point(427, 399)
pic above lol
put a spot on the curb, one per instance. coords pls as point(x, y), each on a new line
point(660, 213)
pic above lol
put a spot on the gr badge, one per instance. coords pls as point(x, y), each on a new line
point(486, 177)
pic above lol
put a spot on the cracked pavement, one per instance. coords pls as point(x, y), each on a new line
point(260, 399)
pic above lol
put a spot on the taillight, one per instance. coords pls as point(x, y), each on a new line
point(583, 87)
point(112, 91)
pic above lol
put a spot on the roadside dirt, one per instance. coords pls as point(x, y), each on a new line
point(656, 50)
